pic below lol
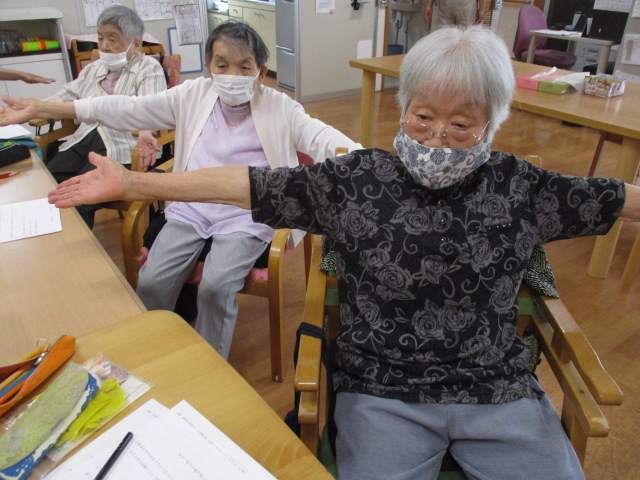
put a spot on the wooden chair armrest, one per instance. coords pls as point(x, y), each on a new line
point(308, 367)
point(278, 245)
point(561, 333)
point(135, 222)
point(166, 166)
point(40, 122)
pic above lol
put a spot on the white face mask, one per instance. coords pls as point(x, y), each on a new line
point(438, 168)
point(234, 89)
point(115, 61)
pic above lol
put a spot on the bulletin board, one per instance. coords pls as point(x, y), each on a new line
point(191, 54)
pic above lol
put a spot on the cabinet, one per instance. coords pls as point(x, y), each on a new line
point(28, 22)
point(262, 18)
point(215, 19)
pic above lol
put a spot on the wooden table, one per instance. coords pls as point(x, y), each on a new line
point(604, 44)
point(618, 115)
point(58, 283)
point(164, 350)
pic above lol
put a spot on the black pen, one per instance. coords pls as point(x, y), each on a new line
point(114, 456)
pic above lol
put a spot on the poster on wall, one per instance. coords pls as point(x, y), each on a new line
point(154, 9)
point(90, 10)
point(188, 24)
point(191, 60)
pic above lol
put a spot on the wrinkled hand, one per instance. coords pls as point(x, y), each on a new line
point(19, 110)
point(147, 150)
point(105, 183)
point(33, 78)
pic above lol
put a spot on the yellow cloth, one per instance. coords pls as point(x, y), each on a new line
point(108, 401)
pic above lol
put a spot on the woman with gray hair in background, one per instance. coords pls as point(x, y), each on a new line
point(123, 69)
point(431, 246)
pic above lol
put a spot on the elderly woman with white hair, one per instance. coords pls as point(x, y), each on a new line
point(122, 69)
point(431, 246)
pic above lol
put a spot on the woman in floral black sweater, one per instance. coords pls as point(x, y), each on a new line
point(431, 246)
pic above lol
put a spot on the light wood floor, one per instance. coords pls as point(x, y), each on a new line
point(609, 319)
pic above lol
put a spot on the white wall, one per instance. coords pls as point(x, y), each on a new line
point(328, 41)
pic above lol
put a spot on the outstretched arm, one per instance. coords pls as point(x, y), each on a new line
point(111, 181)
point(20, 110)
point(6, 74)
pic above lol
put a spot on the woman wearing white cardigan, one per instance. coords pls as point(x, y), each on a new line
point(230, 118)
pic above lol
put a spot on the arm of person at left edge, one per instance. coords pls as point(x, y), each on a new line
point(7, 74)
point(631, 210)
point(111, 181)
point(20, 110)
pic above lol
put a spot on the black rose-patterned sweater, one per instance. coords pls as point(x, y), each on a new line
point(428, 279)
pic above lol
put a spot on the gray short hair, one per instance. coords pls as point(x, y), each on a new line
point(471, 63)
point(124, 19)
point(241, 36)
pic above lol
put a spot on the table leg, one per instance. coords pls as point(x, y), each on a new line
point(603, 58)
point(626, 170)
point(532, 49)
point(366, 108)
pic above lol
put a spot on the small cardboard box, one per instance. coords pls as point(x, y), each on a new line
point(603, 85)
point(533, 81)
point(557, 87)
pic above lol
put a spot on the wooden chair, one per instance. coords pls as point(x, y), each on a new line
point(262, 282)
point(80, 55)
point(584, 382)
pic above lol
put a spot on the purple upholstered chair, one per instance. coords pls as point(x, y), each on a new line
point(532, 18)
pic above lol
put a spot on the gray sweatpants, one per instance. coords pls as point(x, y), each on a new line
point(390, 439)
point(170, 263)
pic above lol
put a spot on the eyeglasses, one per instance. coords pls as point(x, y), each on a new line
point(454, 138)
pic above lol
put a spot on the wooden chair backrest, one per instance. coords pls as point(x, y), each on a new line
point(81, 56)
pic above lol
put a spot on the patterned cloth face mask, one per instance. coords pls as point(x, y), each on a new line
point(234, 90)
point(438, 168)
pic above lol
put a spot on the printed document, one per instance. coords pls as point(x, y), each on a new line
point(179, 444)
point(28, 219)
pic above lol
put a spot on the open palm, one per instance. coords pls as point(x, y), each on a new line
point(106, 182)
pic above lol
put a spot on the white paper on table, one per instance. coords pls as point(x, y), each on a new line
point(87, 462)
point(183, 444)
point(180, 444)
point(14, 131)
point(28, 219)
